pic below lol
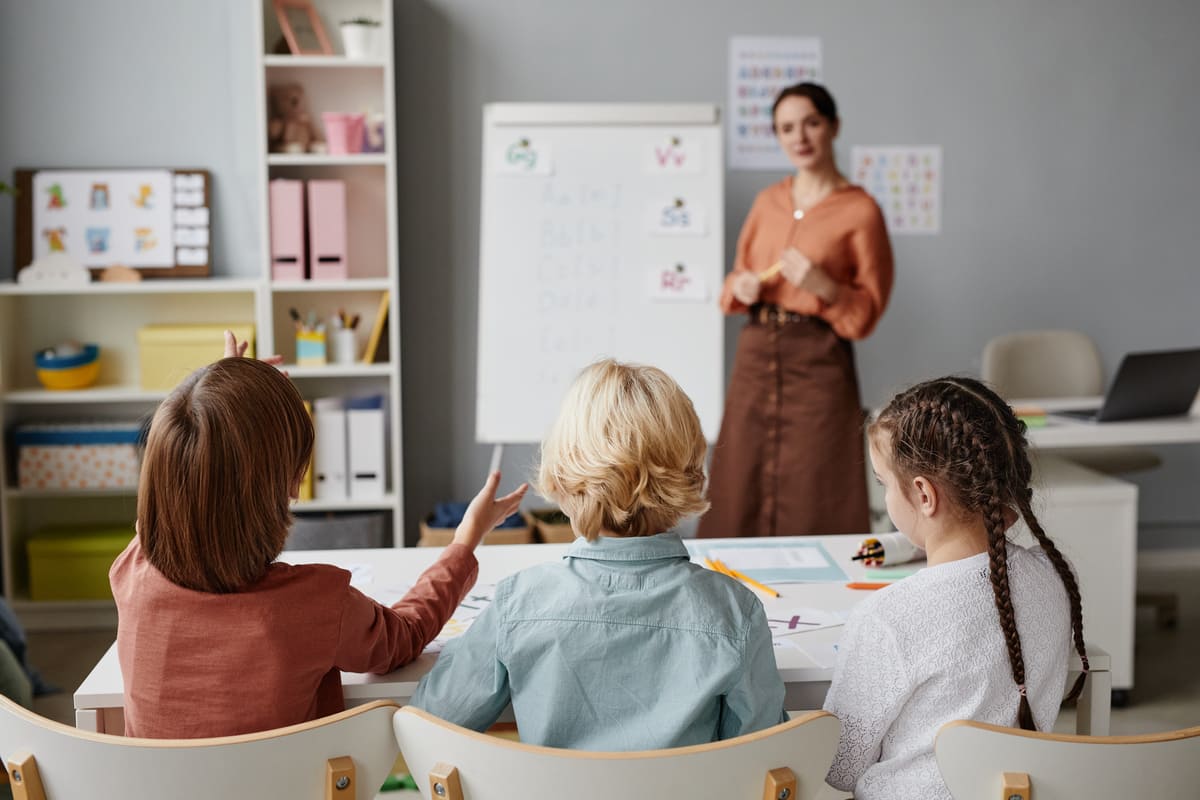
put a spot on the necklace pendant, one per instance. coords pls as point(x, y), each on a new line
point(798, 213)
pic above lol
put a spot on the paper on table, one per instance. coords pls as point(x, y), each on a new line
point(804, 620)
point(743, 558)
point(824, 655)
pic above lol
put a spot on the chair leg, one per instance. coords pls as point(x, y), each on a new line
point(1166, 608)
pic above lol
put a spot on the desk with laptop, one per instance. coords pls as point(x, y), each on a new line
point(1152, 401)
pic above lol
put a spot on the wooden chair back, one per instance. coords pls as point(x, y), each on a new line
point(785, 762)
point(345, 756)
point(988, 762)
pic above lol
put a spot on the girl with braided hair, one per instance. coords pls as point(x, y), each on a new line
point(984, 632)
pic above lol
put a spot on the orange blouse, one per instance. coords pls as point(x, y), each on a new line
point(844, 234)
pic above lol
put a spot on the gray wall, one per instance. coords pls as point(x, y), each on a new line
point(1069, 131)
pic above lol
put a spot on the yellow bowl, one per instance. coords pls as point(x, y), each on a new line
point(79, 377)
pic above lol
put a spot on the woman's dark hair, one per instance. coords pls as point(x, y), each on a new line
point(959, 433)
point(821, 99)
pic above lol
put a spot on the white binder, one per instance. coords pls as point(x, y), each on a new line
point(329, 450)
point(366, 439)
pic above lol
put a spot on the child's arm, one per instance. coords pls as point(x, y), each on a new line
point(870, 686)
point(375, 638)
point(469, 684)
point(756, 701)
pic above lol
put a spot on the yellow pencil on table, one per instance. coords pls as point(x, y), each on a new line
point(733, 573)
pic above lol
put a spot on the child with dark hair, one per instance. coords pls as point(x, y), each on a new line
point(214, 637)
point(983, 633)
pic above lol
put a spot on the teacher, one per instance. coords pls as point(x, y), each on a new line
point(813, 272)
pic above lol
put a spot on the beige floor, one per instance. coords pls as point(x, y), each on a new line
point(1166, 697)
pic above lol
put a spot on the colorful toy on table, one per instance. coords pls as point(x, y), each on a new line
point(887, 549)
point(69, 365)
point(310, 339)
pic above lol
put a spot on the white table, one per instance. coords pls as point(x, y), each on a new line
point(1064, 432)
point(1094, 516)
point(99, 699)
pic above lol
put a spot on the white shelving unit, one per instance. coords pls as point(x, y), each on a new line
point(111, 314)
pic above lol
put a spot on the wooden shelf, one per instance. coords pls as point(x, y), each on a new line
point(385, 503)
point(50, 494)
point(97, 394)
point(333, 62)
point(338, 370)
point(350, 285)
point(326, 160)
point(157, 286)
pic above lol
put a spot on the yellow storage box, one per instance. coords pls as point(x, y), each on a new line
point(169, 353)
point(73, 563)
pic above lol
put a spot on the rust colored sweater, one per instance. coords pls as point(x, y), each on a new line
point(844, 234)
point(197, 664)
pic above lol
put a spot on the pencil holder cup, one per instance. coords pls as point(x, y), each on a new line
point(345, 348)
point(310, 348)
point(343, 132)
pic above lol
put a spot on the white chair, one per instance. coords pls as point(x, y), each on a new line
point(786, 762)
point(986, 762)
point(345, 756)
point(1058, 363)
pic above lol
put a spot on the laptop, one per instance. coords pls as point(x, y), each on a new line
point(1153, 384)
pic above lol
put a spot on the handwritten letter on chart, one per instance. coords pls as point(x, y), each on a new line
point(906, 182)
point(674, 154)
point(758, 68)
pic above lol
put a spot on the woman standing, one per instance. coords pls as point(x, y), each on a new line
point(813, 272)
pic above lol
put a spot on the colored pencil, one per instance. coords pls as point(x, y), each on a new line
point(865, 585)
point(770, 272)
point(733, 573)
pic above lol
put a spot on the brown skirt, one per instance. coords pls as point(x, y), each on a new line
point(789, 460)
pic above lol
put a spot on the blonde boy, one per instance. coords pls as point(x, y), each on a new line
point(625, 645)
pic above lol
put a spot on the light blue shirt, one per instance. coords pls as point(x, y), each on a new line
point(624, 645)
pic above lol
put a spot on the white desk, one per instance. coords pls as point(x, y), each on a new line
point(99, 699)
point(1094, 516)
point(1063, 432)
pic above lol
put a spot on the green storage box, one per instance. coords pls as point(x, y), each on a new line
point(72, 563)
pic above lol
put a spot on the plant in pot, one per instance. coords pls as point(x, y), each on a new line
point(361, 37)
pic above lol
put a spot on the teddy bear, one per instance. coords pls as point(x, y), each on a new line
point(289, 126)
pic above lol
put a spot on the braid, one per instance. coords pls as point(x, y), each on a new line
point(1069, 582)
point(993, 518)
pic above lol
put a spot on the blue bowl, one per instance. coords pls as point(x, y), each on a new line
point(90, 353)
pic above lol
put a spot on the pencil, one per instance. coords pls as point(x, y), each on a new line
point(770, 272)
point(865, 585)
point(733, 573)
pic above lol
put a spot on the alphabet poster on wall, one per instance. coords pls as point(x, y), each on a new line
point(758, 68)
point(906, 182)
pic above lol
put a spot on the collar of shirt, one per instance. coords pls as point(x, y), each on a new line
point(632, 548)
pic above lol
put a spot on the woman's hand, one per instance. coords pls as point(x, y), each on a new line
point(746, 287)
point(236, 349)
point(801, 272)
point(486, 512)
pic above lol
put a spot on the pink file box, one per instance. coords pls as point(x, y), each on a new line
point(287, 230)
point(327, 230)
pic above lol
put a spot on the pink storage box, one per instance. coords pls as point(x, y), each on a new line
point(327, 230)
point(77, 456)
point(287, 230)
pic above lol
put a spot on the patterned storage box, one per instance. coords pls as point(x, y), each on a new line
point(77, 456)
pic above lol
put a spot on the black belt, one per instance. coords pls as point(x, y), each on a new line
point(766, 314)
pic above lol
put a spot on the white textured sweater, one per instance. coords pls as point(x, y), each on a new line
point(928, 650)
